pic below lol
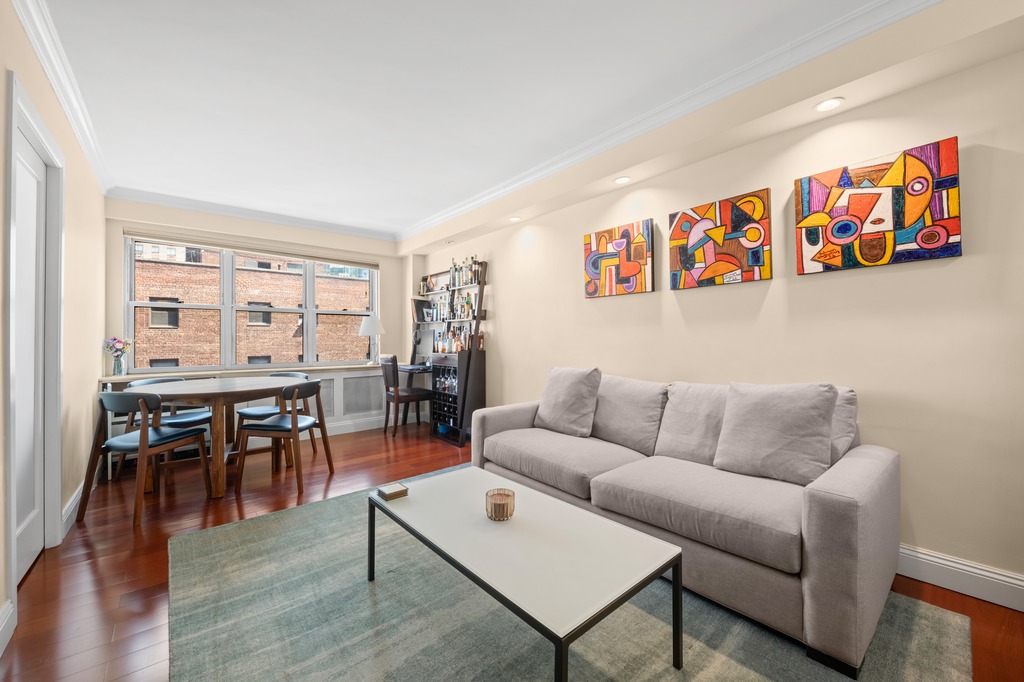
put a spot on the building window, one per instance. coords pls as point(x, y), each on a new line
point(259, 318)
point(232, 309)
point(163, 362)
point(163, 318)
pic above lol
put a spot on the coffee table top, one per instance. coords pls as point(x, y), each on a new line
point(559, 563)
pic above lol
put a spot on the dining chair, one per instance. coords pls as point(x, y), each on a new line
point(149, 443)
point(286, 426)
point(173, 419)
point(261, 412)
point(399, 395)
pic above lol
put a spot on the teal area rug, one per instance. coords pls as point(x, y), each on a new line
point(285, 597)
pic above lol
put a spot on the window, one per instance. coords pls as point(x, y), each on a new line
point(220, 308)
point(163, 318)
point(258, 318)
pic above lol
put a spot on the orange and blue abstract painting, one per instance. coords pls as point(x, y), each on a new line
point(899, 208)
point(618, 261)
point(723, 242)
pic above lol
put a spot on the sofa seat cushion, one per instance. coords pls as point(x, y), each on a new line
point(564, 462)
point(755, 518)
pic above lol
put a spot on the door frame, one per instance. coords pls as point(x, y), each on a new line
point(23, 117)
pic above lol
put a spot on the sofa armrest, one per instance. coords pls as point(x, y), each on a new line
point(851, 532)
point(491, 420)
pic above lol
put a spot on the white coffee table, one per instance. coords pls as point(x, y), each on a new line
point(560, 568)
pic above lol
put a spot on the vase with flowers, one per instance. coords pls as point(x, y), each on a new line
point(117, 348)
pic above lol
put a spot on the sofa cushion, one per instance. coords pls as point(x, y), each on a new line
point(629, 412)
point(692, 421)
point(568, 402)
point(564, 462)
point(755, 518)
point(780, 431)
point(844, 422)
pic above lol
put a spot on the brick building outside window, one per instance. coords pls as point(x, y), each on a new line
point(183, 297)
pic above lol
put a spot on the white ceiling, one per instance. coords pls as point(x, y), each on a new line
point(386, 118)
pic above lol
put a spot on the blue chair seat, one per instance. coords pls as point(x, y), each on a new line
point(261, 411)
point(159, 436)
point(281, 423)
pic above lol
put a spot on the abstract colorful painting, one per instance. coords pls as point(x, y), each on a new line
point(618, 261)
point(898, 208)
point(723, 242)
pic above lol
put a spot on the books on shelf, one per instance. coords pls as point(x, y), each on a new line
point(392, 491)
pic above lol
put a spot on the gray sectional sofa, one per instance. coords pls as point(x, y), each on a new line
point(781, 513)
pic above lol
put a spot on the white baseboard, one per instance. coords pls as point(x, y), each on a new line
point(70, 512)
point(7, 624)
point(975, 580)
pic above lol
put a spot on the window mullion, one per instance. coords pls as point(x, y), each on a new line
point(309, 319)
point(227, 312)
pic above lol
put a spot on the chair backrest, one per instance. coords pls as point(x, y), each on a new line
point(120, 402)
point(297, 375)
point(154, 380)
point(301, 391)
point(389, 366)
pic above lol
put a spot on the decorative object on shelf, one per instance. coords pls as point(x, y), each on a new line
point(898, 208)
point(500, 504)
point(618, 261)
point(117, 348)
point(724, 242)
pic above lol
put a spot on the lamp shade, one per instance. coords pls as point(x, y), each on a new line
point(371, 326)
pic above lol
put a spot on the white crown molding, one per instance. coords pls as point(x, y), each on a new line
point(844, 29)
point(169, 201)
point(35, 18)
point(982, 582)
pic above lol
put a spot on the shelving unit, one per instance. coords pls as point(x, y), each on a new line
point(458, 363)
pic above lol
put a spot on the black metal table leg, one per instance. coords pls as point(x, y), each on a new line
point(677, 613)
point(371, 515)
point(562, 661)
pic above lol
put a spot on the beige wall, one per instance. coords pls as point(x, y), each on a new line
point(84, 261)
point(200, 227)
point(932, 348)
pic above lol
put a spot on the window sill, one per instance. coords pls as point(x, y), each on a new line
point(207, 374)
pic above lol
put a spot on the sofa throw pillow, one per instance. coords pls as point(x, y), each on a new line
point(844, 422)
point(569, 400)
point(629, 412)
point(780, 431)
point(692, 422)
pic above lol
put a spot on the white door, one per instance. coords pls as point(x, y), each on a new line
point(26, 437)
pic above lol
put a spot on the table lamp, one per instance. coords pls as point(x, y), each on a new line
point(370, 326)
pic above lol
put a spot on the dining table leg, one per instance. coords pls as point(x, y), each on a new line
point(217, 441)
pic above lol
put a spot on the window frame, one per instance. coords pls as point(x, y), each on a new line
point(229, 308)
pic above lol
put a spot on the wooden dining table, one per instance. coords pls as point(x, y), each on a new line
point(220, 394)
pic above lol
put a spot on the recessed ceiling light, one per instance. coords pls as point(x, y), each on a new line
point(514, 219)
point(449, 242)
point(829, 104)
point(622, 180)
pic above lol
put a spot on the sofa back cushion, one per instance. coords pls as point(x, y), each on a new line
point(781, 431)
point(692, 422)
point(629, 412)
point(844, 423)
point(568, 402)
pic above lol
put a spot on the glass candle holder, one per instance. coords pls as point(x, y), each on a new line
point(500, 503)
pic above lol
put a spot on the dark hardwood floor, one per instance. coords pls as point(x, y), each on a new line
point(95, 608)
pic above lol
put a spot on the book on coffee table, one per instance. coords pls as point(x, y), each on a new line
point(392, 491)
